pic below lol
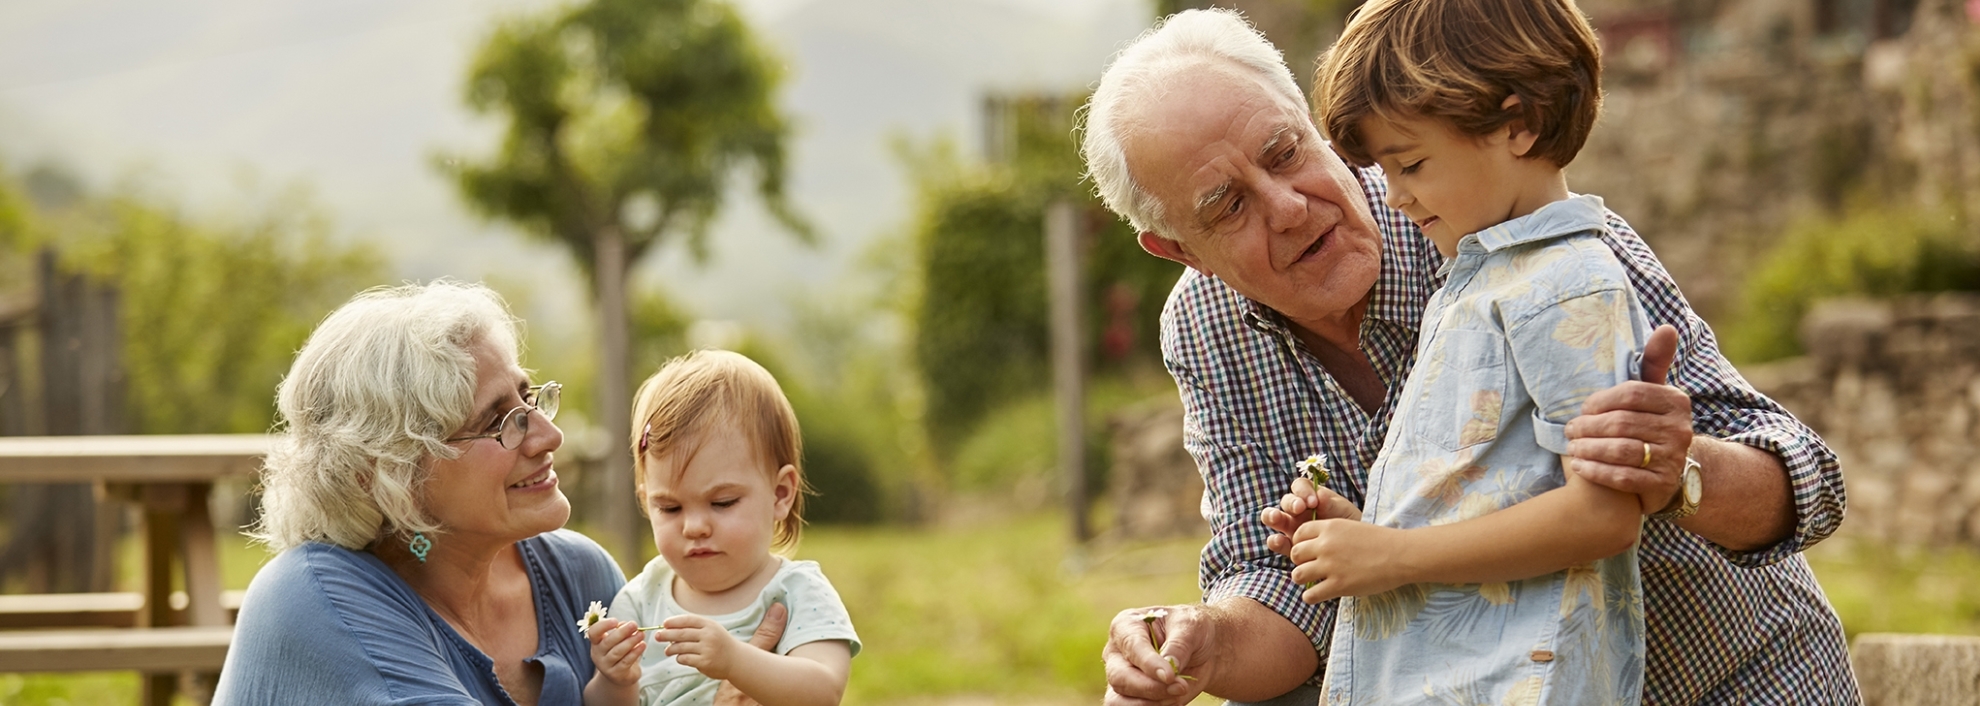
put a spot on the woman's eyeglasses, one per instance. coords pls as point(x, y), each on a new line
point(515, 425)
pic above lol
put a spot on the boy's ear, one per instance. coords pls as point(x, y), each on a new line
point(1171, 250)
point(1519, 139)
point(785, 490)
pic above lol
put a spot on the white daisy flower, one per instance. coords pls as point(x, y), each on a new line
point(591, 617)
point(1315, 469)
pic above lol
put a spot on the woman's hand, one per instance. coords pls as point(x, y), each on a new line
point(616, 646)
point(768, 633)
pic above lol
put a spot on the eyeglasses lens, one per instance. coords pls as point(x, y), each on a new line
point(544, 399)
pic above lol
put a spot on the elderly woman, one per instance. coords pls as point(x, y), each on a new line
point(416, 511)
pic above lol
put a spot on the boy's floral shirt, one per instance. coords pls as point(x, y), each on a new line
point(1535, 315)
point(1720, 626)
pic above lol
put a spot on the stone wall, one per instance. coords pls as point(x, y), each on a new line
point(1894, 388)
point(1153, 483)
point(1726, 122)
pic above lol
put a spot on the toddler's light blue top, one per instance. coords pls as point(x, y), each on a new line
point(1536, 315)
point(322, 624)
point(815, 611)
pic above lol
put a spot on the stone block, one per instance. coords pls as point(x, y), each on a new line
point(1154, 484)
point(1917, 670)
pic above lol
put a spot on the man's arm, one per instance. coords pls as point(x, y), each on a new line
point(1235, 648)
point(1781, 493)
point(1223, 369)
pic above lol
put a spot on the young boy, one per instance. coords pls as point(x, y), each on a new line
point(1472, 108)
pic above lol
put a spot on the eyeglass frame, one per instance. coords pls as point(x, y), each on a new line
point(535, 393)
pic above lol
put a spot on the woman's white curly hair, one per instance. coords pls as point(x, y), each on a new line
point(368, 404)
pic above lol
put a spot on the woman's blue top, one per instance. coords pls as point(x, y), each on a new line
point(324, 624)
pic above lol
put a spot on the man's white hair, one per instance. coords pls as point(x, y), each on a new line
point(1141, 73)
point(368, 405)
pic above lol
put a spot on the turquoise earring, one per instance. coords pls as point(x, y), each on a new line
point(420, 545)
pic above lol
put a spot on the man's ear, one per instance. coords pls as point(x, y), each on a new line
point(1167, 249)
point(1518, 138)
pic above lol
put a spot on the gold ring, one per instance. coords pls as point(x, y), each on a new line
point(1646, 455)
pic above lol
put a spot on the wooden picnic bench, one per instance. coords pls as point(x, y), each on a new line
point(170, 478)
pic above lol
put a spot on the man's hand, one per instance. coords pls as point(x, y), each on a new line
point(1616, 425)
point(1139, 675)
point(616, 646)
point(1346, 557)
point(767, 634)
point(1302, 505)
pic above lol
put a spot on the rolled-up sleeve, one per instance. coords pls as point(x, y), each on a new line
point(1239, 482)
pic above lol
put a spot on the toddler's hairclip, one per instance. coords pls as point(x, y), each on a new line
point(643, 433)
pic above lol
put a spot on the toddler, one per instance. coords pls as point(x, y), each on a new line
point(1482, 573)
point(716, 471)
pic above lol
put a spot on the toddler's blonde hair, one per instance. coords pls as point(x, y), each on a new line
point(714, 390)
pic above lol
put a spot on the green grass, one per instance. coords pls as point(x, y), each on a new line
point(1876, 589)
point(1002, 611)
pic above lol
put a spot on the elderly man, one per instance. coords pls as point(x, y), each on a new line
point(1293, 332)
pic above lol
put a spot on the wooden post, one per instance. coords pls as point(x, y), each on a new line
point(1063, 268)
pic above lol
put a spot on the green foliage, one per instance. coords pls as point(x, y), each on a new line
point(14, 234)
point(1014, 450)
point(659, 332)
point(988, 608)
point(1874, 251)
point(212, 314)
point(1875, 589)
point(838, 468)
point(980, 326)
point(624, 115)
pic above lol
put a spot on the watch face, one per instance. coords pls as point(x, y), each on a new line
point(1694, 486)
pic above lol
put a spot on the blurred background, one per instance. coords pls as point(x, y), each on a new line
point(854, 192)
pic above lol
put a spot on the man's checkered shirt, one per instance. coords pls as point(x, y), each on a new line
point(1722, 626)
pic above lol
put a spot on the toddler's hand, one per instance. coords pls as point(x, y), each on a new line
point(700, 643)
point(616, 647)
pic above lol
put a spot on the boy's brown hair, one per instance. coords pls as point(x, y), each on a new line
point(1456, 61)
point(710, 391)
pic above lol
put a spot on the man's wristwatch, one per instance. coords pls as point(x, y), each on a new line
point(1690, 489)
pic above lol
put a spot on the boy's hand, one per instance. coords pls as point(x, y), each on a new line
point(1303, 504)
point(700, 643)
point(616, 647)
point(1343, 557)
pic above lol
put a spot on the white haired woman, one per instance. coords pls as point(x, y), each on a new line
point(415, 507)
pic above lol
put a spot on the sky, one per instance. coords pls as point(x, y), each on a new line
point(214, 100)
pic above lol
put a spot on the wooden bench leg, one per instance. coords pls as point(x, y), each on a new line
point(200, 550)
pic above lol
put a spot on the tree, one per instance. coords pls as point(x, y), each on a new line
point(979, 324)
point(626, 120)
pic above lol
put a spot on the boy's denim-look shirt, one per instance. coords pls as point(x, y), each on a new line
point(1720, 626)
point(1535, 315)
